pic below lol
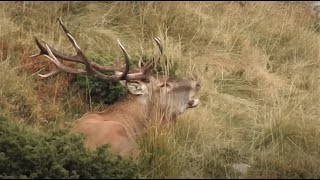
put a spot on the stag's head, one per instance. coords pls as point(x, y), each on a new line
point(171, 95)
point(176, 95)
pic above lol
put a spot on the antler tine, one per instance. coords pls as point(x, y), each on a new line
point(146, 69)
point(76, 46)
point(54, 72)
point(59, 65)
point(150, 65)
point(42, 49)
point(126, 57)
point(160, 46)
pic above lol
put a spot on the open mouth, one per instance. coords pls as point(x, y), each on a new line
point(193, 103)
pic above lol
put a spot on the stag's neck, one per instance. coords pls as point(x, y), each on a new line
point(128, 104)
point(160, 116)
point(132, 111)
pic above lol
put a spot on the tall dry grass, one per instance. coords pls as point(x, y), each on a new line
point(258, 66)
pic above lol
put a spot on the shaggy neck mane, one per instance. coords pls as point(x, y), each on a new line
point(130, 111)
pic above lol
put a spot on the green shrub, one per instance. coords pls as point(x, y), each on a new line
point(100, 91)
point(27, 153)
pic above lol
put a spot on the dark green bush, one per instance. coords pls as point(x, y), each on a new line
point(28, 153)
point(100, 91)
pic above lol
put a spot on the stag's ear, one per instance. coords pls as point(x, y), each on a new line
point(134, 87)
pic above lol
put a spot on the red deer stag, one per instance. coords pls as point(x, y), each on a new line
point(122, 123)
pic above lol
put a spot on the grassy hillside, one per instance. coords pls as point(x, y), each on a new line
point(258, 65)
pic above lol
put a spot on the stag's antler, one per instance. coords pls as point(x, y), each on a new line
point(160, 46)
point(92, 68)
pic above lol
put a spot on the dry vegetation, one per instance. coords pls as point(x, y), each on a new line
point(258, 65)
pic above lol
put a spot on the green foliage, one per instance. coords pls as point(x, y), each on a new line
point(100, 91)
point(25, 153)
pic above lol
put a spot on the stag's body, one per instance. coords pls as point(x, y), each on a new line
point(120, 125)
point(149, 98)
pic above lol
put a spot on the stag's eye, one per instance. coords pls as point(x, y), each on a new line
point(165, 85)
point(198, 86)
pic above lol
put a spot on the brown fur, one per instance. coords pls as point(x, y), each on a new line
point(121, 124)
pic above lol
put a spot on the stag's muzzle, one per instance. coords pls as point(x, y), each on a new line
point(193, 103)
